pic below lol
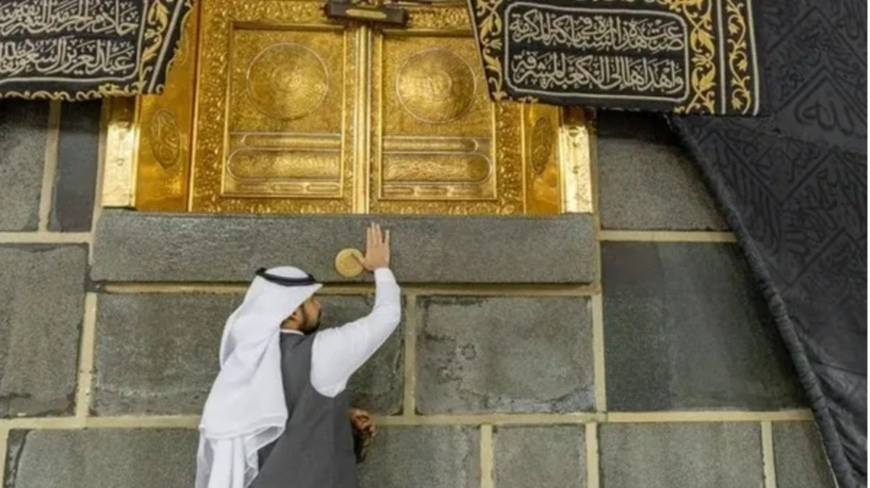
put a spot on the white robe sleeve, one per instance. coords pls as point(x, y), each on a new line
point(338, 352)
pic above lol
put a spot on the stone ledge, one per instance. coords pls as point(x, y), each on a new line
point(148, 247)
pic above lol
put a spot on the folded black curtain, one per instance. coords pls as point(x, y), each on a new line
point(83, 49)
point(793, 185)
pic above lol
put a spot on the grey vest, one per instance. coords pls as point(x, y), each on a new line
point(316, 448)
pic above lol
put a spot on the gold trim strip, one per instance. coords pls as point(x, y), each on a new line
point(592, 456)
point(86, 357)
point(487, 457)
point(709, 416)
point(494, 419)
point(119, 174)
point(756, 76)
point(4, 441)
point(52, 137)
point(361, 122)
point(575, 156)
point(767, 454)
point(120, 422)
point(45, 238)
point(409, 405)
point(665, 236)
point(597, 304)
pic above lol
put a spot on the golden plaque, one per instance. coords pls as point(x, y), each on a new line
point(347, 262)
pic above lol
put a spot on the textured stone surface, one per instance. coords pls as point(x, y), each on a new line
point(799, 457)
point(22, 158)
point(41, 310)
point(685, 328)
point(157, 353)
point(423, 457)
point(647, 180)
point(425, 249)
point(504, 355)
point(105, 458)
point(77, 158)
point(540, 457)
point(721, 455)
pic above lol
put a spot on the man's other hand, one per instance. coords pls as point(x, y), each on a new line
point(362, 423)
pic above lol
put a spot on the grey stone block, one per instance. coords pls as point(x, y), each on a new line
point(504, 355)
point(647, 181)
point(23, 128)
point(425, 249)
point(423, 457)
point(157, 353)
point(799, 457)
point(77, 158)
point(720, 455)
point(105, 458)
point(41, 310)
point(542, 457)
point(686, 328)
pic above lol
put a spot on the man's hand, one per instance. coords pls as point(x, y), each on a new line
point(377, 249)
point(362, 423)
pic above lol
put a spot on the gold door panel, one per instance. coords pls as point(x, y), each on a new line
point(285, 115)
point(275, 102)
point(434, 130)
point(271, 107)
point(165, 133)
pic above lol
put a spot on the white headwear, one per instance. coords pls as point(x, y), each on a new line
point(245, 409)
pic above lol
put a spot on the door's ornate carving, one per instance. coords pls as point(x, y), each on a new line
point(273, 107)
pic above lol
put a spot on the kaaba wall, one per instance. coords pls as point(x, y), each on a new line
point(627, 348)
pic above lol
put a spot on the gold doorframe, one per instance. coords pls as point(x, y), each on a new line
point(170, 152)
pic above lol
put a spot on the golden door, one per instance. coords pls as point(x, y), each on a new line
point(271, 107)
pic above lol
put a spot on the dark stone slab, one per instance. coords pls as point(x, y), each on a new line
point(720, 455)
point(110, 458)
point(647, 181)
point(425, 249)
point(158, 353)
point(77, 159)
point(540, 457)
point(799, 457)
point(423, 457)
point(686, 328)
point(504, 355)
point(41, 311)
point(23, 127)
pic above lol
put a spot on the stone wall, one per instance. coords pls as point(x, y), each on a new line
point(629, 349)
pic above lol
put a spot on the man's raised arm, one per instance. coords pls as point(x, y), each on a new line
point(338, 352)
